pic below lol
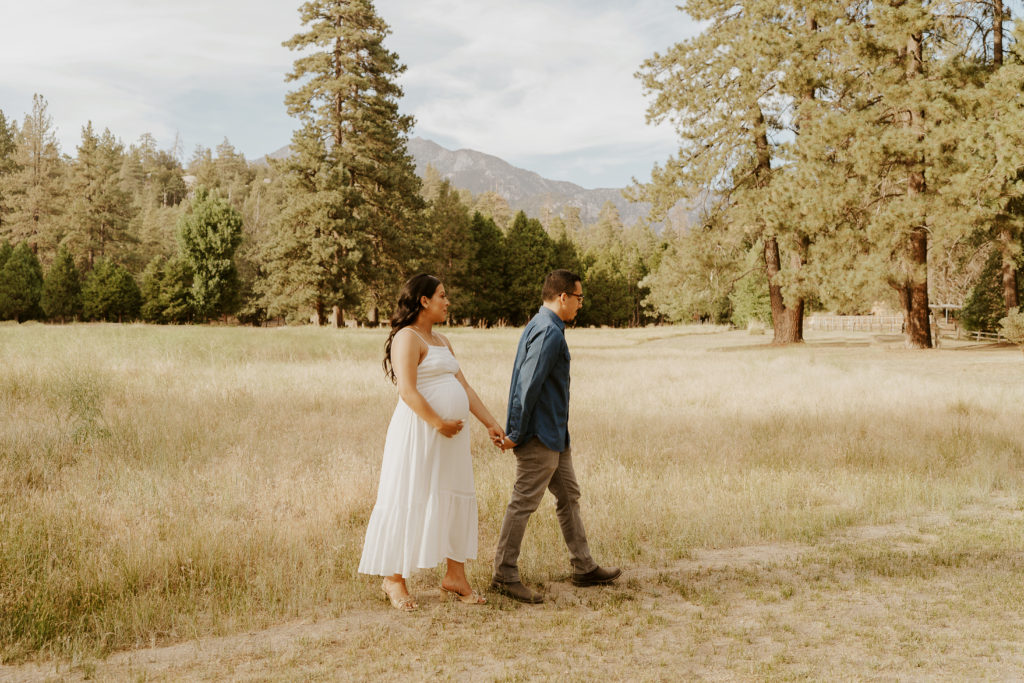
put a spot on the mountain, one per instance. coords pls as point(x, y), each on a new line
point(523, 190)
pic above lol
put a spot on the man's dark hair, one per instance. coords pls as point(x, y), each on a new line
point(559, 282)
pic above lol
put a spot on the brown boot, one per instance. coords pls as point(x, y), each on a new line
point(517, 591)
point(596, 577)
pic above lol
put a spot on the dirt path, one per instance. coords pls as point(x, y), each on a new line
point(866, 603)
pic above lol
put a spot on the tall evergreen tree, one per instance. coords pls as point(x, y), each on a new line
point(208, 236)
point(8, 147)
point(34, 189)
point(62, 289)
point(989, 183)
point(483, 284)
point(101, 211)
point(447, 232)
point(901, 148)
point(492, 205)
point(355, 191)
point(729, 93)
point(529, 250)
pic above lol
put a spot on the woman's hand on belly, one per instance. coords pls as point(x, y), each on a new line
point(450, 428)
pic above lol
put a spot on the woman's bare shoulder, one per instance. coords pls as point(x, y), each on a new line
point(445, 341)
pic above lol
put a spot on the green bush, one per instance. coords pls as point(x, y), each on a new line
point(750, 300)
point(1012, 327)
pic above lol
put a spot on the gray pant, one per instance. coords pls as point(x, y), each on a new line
point(538, 468)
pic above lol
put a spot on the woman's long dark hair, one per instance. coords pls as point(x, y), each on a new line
point(406, 311)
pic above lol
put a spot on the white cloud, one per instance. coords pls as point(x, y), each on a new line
point(537, 80)
point(548, 83)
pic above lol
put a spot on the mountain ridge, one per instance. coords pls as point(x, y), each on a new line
point(523, 189)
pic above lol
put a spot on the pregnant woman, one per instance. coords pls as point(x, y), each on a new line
point(426, 502)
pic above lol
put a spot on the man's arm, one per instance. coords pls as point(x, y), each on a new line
point(540, 357)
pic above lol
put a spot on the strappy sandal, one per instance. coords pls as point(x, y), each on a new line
point(473, 598)
point(402, 604)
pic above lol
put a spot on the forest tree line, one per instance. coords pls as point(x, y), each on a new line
point(129, 232)
point(846, 153)
point(843, 153)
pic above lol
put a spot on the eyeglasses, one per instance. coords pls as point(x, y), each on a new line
point(578, 296)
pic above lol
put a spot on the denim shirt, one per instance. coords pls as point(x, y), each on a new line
point(538, 400)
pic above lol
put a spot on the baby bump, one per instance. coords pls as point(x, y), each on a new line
point(447, 397)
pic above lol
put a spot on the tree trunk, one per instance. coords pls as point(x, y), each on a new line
point(787, 321)
point(917, 327)
point(1005, 235)
point(318, 312)
point(1009, 271)
point(998, 15)
point(914, 294)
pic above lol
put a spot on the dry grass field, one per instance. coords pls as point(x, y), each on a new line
point(190, 503)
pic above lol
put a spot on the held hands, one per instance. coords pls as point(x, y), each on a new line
point(450, 428)
point(497, 435)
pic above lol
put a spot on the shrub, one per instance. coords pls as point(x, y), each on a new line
point(750, 300)
point(1012, 327)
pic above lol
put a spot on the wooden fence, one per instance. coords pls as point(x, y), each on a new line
point(856, 323)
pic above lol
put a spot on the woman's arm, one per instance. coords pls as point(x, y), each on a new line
point(405, 357)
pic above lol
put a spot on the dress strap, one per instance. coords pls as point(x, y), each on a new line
point(419, 335)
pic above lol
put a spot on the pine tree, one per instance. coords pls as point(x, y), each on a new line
point(315, 249)
point(208, 236)
point(483, 284)
point(110, 293)
point(228, 172)
point(166, 291)
point(5, 252)
point(492, 205)
point(62, 289)
point(901, 145)
point(728, 91)
point(8, 147)
point(529, 251)
point(696, 274)
point(101, 211)
point(34, 189)
point(21, 285)
point(356, 194)
point(989, 183)
point(984, 306)
point(446, 226)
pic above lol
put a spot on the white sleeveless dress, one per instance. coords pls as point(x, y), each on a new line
point(426, 504)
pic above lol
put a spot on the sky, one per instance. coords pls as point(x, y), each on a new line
point(547, 85)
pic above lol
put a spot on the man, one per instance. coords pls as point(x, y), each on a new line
point(538, 431)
